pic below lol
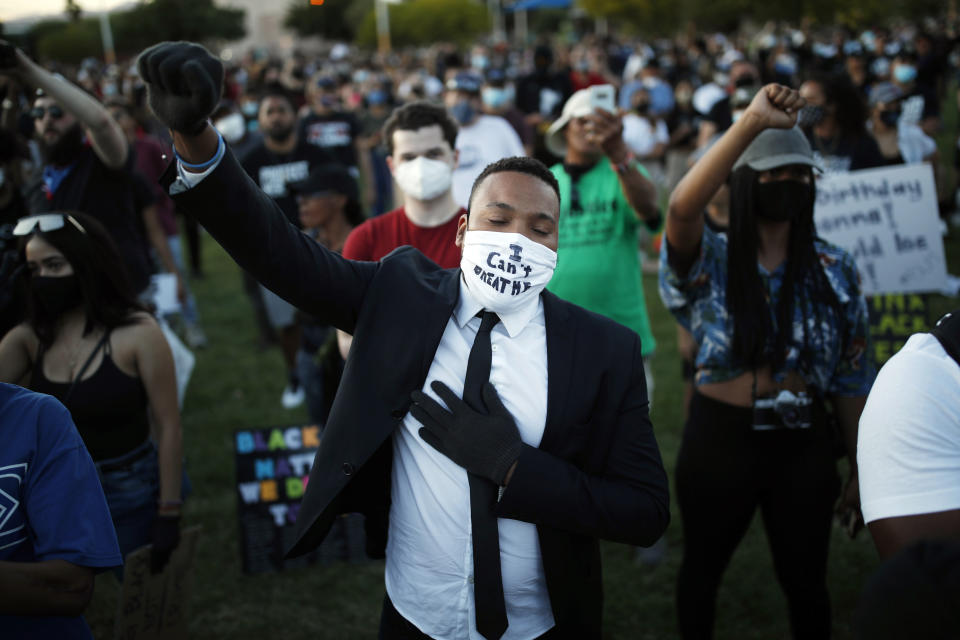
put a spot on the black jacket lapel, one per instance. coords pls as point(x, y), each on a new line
point(560, 337)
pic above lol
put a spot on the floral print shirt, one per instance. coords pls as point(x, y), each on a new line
point(841, 363)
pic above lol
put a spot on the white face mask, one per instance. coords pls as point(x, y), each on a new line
point(423, 178)
point(505, 271)
point(231, 127)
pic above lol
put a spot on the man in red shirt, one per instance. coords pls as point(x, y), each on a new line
point(420, 139)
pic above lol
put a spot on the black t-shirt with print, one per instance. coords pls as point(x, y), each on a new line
point(274, 171)
point(333, 132)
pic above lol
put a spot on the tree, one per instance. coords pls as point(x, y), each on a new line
point(423, 22)
point(158, 20)
point(73, 10)
point(334, 19)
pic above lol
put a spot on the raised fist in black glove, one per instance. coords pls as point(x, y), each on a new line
point(486, 445)
point(166, 537)
point(184, 82)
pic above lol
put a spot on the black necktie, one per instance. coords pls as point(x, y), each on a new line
point(487, 582)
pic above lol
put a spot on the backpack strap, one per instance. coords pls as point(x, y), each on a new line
point(947, 332)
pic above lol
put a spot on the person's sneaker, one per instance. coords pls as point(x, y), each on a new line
point(195, 336)
point(292, 397)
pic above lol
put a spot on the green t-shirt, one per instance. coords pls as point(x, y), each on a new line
point(597, 263)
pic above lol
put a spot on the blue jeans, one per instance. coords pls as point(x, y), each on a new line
point(131, 484)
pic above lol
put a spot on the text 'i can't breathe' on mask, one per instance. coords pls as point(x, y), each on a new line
point(505, 271)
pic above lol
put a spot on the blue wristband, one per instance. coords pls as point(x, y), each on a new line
point(209, 163)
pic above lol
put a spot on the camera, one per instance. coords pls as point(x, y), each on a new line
point(786, 410)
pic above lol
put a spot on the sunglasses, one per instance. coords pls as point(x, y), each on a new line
point(56, 112)
point(45, 222)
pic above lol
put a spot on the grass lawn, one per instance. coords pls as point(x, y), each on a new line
point(235, 386)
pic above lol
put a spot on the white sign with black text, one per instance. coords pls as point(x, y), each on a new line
point(887, 219)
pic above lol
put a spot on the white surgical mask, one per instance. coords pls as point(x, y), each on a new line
point(423, 178)
point(505, 271)
point(231, 127)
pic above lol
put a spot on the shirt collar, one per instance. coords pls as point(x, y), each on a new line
point(514, 322)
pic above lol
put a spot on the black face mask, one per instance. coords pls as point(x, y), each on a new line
point(782, 200)
point(890, 118)
point(57, 294)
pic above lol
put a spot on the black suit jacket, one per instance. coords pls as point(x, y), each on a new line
point(597, 472)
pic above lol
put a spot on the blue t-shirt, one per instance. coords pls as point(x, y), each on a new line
point(51, 502)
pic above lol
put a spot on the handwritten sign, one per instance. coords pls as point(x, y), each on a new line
point(893, 319)
point(154, 607)
point(273, 467)
point(887, 219)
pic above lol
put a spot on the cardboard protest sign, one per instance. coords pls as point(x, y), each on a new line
point(155, 607)
point(893, 319)
point(887, 219)
point(273, 466)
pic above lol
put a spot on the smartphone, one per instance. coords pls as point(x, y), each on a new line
point(602, 97)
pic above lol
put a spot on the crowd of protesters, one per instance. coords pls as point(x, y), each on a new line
point(366, 152)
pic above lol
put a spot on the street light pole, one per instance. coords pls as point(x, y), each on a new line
point(383, 27)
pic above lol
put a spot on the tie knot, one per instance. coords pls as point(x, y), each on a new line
point(487, 320)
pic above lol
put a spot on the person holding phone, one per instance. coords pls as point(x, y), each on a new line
point(604, 194)
point(782, 327)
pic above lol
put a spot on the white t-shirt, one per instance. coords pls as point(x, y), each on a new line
point(908, 446)
point(487, 140)
point(642, 136)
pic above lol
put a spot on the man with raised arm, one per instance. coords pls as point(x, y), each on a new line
point(491, 432)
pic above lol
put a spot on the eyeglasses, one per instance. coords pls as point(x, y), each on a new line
point(45, 222)
point(56, 112)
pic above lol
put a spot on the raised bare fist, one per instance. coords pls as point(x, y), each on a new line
point(184, 82)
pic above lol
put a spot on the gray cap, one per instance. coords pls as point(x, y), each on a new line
point(776, 148)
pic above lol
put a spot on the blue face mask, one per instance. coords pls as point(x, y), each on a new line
point(376, 97)
point(463, 112)
point(494, 97)
point(904, 73)
point(480, 62)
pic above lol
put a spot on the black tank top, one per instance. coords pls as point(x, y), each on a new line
point(109, 408)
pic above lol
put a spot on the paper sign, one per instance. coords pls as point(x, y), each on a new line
point(893, 319)
point(165, 293)
point(183, 359)
point(273, 466)
point(887, 220)
point(155, 607)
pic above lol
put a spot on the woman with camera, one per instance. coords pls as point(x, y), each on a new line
point(89, 343)
point(782, 328)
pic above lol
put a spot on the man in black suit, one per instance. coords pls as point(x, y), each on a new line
point(550, 447)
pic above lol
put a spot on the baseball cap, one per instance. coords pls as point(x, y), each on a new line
point(326, 178)
point(884, 93)
point(576, 107)
point(776, 148)
point(465, 81)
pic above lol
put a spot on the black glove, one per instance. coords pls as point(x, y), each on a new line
point(184, 82)
point(486, 445)
point(166, 537)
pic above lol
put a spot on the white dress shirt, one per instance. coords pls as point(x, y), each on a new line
point(429, 569)
point(429, 573)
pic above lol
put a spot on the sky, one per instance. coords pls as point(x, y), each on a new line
point(15, 9)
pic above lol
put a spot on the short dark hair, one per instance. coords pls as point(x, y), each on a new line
point(518, 164)
point(417, 115)
point(275, 90)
